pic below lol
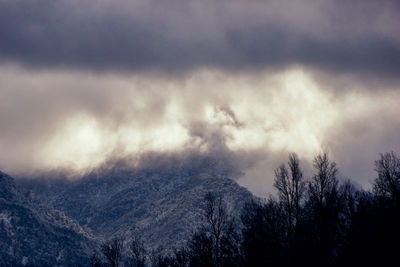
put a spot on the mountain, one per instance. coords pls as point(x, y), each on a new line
point(34, 234)
point(160, 202)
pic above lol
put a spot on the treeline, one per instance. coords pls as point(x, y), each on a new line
point(319, 221)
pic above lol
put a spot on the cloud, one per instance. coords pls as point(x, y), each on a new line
point(84, 82)
point(175, 36)
point(79, 120)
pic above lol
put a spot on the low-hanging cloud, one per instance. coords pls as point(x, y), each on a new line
point(80, 120)
point(83, 83)
point(175, 36)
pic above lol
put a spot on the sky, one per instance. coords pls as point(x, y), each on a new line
point(82, 82)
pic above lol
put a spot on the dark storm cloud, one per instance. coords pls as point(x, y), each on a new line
point(355, 36)
point(251, 81)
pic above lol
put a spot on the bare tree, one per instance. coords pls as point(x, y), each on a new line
point(290, 185)
point(138, 252)
point(112, 250)
point(349, 197)
point(325, 209)
point(217, 219)
point(324, 183)
point(388, 182)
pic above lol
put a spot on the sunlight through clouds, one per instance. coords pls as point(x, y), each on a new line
point(280, 113)
point(80, 144)
point(78, 120)
point(294, 116)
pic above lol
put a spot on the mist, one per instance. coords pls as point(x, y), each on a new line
point(85, 82)
point(78, 120)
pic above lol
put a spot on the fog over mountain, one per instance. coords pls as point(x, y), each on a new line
point(161, 201)
point(199, 132)
point(84, 82)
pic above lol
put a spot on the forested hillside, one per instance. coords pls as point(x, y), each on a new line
point(34, 234)
point(195, 217)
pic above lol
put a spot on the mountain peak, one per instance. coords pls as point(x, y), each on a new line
point(163, 204)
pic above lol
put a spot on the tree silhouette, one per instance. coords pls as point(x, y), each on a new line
point(387, 184)
point(291, 187)
point(137, 252)
point(216, 243)
point(324, 183)
point(324, 205)
point(112, 250)
point(217, 219)
point(263, 230)
point(321, 222)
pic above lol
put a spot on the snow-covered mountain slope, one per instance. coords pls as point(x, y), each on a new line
point(163, 204)
point(34, 234)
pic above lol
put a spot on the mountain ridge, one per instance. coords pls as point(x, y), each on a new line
point(162, 204)
point(34, 234)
